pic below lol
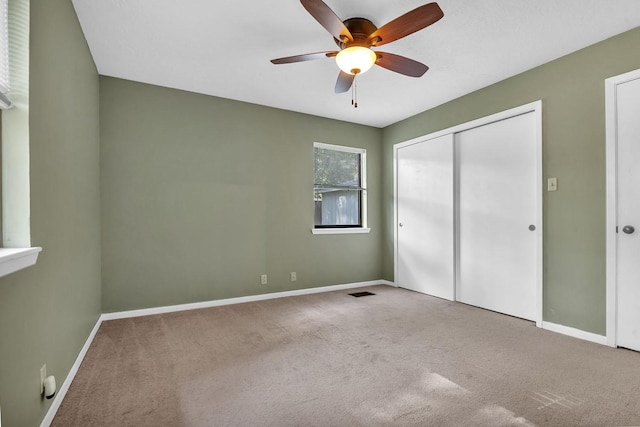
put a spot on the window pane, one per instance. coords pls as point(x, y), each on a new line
point(337, 207)
point(4, 47)
point(337, 168)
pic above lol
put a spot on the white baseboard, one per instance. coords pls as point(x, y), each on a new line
point(576, 333)
point(53, 409)
point(238, 300)
point(62, 391)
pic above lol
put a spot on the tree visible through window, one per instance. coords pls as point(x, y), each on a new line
point(339, 186)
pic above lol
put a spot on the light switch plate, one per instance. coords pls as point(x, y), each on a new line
point(552, 184)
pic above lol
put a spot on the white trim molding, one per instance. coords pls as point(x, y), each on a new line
point(238, 300)
point(354, 230)
point(57, 401)
point(64, 388)
point(15, 259)
point(575, 333)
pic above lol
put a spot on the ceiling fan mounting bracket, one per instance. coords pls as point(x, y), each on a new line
point(360, 29)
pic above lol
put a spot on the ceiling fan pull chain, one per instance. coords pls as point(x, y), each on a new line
point(355, 88)
point(352, 97)
point(354, 92)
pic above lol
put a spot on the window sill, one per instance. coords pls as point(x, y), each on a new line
point(14, 259)
point(340, 230)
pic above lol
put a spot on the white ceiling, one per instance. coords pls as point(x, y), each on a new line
point(223, 48)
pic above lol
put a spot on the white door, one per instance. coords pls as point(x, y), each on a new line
point(425, 234)
point(628, 237)
point(498, 216)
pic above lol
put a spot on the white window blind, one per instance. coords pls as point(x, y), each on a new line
point(4, 54)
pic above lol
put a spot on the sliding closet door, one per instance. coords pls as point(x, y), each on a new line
point(425, 258)
point(497, 216)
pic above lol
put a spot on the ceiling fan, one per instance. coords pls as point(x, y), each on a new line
point(356, 37)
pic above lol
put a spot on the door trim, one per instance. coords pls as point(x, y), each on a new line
point(612, 200)
point(533, 107)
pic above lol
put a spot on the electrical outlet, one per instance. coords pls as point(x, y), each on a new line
point(294, 277)
point(43, 375)
point(263, 279)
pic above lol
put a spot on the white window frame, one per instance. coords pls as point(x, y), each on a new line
point(4, 54)
point(363, 194)
point(16, 252)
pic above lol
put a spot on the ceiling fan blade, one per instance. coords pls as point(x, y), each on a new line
point(401, 64)
point(344, 82)
point(305, 57)
point(328, 19)
point(406, 24)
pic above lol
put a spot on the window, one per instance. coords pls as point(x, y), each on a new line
point(339, 192)
point(16, 232)
point(15, 250)
point(4, 54)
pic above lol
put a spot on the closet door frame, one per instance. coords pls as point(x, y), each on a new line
point(534, 107)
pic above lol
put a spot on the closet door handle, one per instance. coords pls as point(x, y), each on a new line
point(532, 227)
point(628, 229)
point(400, 224)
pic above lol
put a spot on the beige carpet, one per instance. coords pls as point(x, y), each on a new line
point(330, 359)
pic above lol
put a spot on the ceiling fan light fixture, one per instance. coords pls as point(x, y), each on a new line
point(356, 59)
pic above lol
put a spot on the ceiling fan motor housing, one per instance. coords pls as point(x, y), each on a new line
point(360, 29)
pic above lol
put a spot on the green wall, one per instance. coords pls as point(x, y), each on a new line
point(572, 91)
point(202, 195)
point(47, 311)
point(196, 196)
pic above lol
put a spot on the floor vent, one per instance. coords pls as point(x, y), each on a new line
point(361, 294)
